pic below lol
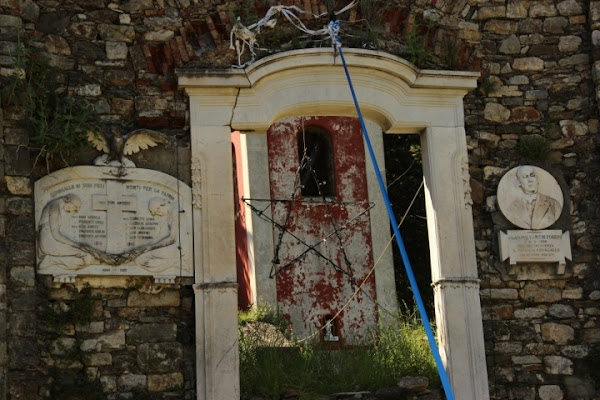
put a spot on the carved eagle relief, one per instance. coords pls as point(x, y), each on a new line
point(117, 145)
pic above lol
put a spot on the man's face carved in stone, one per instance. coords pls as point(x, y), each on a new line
point(528, 180)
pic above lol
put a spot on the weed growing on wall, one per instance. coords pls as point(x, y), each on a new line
point(57, 123)
point(533, 147)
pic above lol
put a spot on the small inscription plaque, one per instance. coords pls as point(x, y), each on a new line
point(93, 222)
point(536, 246)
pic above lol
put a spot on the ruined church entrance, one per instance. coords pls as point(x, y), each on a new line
point(395, 97)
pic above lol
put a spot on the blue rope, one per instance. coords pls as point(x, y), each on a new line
point(334, 28)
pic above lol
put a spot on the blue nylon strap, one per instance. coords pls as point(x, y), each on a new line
point(334, 27)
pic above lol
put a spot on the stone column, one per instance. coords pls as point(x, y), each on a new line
point(260, 232)
point(453, 263)
point(215, 290)
point(385, 281)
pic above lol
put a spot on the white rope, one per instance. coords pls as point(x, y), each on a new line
point(242, 37)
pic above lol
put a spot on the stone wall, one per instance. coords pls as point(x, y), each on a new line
point(540, 69)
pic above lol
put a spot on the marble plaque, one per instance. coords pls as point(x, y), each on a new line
point(530, 197)
point(536, 246)
point(113, 221)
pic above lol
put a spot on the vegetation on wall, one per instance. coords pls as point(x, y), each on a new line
point(533, 147)
point(56, 122)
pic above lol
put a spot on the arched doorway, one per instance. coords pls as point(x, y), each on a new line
point(396, 98)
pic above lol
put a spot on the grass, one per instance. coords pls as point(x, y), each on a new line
point(269, 370)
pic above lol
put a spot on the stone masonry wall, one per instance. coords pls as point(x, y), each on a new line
point(540, 67)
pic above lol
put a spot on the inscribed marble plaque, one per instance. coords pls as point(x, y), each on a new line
point(535, 246)
point(107, 221)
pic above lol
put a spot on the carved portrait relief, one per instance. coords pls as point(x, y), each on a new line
point(530, 197)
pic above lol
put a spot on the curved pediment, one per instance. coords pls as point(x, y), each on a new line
point(391, 91)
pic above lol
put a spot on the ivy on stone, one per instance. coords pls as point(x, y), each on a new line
point(57, 122)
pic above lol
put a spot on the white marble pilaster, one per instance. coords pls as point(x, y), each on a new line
point(217, 353)
point(453, 263)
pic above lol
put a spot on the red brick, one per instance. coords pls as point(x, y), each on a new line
point(168, 54)
point(149, 61)
point(182, 49)
point(175, 52)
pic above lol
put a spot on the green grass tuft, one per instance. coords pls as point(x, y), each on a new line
point(269, 370)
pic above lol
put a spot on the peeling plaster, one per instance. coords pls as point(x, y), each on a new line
point(310, 289)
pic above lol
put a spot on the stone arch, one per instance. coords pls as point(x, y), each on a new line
point(397, 97)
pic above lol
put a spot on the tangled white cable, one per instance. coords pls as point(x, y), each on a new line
point(245, 36)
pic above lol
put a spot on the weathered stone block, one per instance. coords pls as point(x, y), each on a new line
point(490, 12)
point(116, 50)
point(166, 298)
point(591, 335)
point(17, 161)
point(152, 333)
point(501, 27)
point(164, 382)
point(508, 347)
point(502, 294)
point(575, 351)
point(159, 357)
point(569, 7)
point(542, 10)
point(92, 327)
point(131, 381)
point(108, 341)
point(91, 90)
point(557, 333)
point(23, 275)
point(109, 383)
point(510, 45)
point(23, 353)
point(530, 313)
point(581, 60)
point(116, 33)
point(529, 64)
point(540, 349)
point(573, 128)
point(555, 25)
point(561, 311)
point(558, 365)
point(522, 360)
point(11, 20)
point(569, 43)
point(550, 392)
point(3, 303)
point(572, 293)
point(525, 114)
point(516, 10)
point(533, 292)
point(162, 35)
point(578, 388)
point(98, 359)
point(18, 185)
point(23, 301)
point(495, 112)
point(63, 345)
point(528, 26)
point(22, 253)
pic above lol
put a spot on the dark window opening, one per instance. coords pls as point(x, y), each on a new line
point(316, 162)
